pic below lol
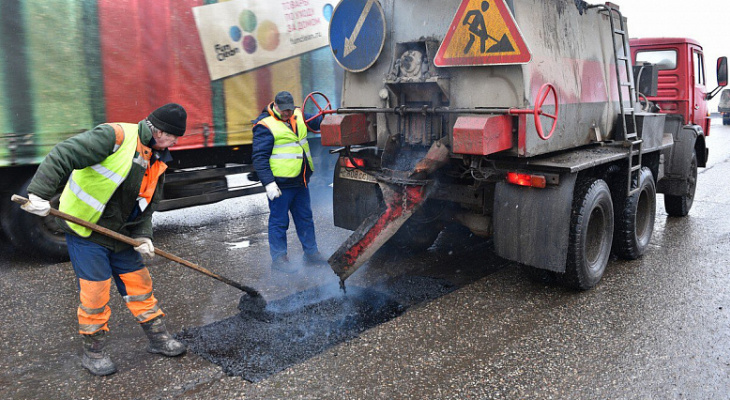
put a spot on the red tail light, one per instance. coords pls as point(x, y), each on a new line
point(347, 162)
point(537, 181)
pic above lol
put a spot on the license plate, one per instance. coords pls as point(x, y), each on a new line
point(356, 175)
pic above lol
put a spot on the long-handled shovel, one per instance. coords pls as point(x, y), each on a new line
point(256, 297)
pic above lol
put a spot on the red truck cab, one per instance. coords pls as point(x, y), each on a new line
point(681, 86)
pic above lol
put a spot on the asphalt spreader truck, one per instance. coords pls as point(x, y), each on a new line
point(538, 123)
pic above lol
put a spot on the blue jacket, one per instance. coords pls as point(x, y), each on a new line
point(263, 144)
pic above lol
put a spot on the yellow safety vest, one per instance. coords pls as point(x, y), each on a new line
point(285, 160)
point(88, 190)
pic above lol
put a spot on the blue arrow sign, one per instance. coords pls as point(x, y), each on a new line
point(357, 33)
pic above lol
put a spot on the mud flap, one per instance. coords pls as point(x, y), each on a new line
point(531, 226)
point(401, 201)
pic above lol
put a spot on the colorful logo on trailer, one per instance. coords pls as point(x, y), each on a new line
point(255, 34)
point(265, 34)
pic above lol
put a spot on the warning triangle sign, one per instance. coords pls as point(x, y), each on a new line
point(483, 32)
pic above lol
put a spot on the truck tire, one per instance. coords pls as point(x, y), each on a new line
point(420, 231)
point(591, 234)
point(679, 206)
point(726, 120)
point(414, 237)
point(635, 223)
point(34, 235)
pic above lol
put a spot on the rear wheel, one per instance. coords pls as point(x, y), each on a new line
point(591, 233)
point(420, 231)
point(679, 206)
point(415, 237)
point(635, 224)
point(34, 235)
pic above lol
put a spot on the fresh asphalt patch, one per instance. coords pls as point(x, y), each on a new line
point(256, 344)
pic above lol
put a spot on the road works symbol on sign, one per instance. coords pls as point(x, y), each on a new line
point(483, 32)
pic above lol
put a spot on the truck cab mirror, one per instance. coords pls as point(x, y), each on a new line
point(722, 71)
point(721, 77)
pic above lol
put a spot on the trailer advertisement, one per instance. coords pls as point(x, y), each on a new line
point(238, 36)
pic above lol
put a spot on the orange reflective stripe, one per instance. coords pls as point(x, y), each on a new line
point(293, 122)
point(151, 175)
point(118, 133)
point(139, 299)
point(149, 182)
point(93, 312)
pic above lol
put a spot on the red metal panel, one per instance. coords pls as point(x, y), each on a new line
point(151, 56)
point(345, 130)
point(482, 135)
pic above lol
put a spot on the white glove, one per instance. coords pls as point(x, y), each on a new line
point(273, 191)
point(146, 249)
point(36, 205)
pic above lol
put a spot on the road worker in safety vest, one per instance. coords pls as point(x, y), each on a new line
point(115, 174)
point(284, 165)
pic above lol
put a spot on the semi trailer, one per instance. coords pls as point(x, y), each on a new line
point(69, 65)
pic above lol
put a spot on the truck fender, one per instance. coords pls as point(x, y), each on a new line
point(678, 158)
point(532, 226)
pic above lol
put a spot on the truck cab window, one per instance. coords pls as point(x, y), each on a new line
point(665, 59)
point(699, 68)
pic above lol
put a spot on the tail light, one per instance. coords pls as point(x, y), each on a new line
point(536, 181)
point(347, 162)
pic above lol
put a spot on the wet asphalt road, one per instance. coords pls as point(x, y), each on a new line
point(654, 328)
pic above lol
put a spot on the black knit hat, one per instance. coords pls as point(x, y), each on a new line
point(169, 118)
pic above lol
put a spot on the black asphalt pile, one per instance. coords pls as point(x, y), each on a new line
point(256, 344)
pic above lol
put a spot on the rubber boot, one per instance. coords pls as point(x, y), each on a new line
point(94, 358)
point(161, 342)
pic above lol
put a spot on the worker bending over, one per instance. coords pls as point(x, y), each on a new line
point(115, 174)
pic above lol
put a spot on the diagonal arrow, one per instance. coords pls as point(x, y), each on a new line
point(350, 42)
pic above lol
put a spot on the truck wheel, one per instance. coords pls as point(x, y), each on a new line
point(678, 206)
point(414, 237)
point(591, 233)
point(34, 235)
point(420, 231)
point(635, 224)
point(726, 120)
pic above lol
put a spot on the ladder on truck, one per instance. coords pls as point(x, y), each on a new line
point(625, 81)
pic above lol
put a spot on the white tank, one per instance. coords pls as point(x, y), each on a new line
point(570, 47)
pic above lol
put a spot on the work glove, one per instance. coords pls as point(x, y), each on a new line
point(273, 191)
point(146, 249)
point(36, 205)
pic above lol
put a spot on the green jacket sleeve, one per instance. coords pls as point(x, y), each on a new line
point(80, 151)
